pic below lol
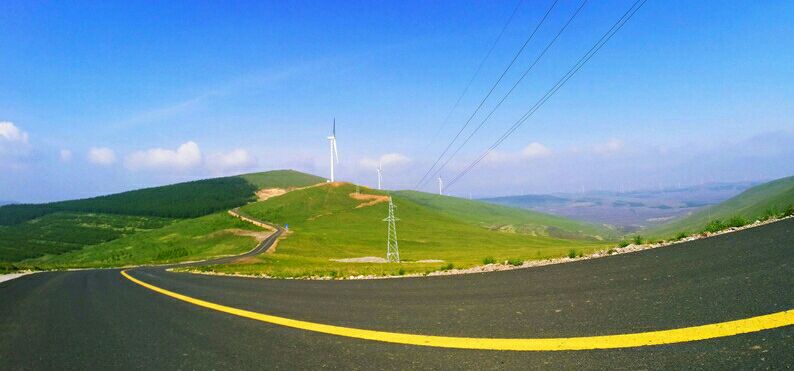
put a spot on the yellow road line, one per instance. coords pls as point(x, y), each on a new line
point(679, 335)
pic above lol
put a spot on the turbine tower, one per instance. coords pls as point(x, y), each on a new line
point(334, 154)
point(392, 249)
point(440, 186)
point(380, 178)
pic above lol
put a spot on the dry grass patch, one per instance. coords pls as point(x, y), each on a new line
point(266, 193)
point(369, 200)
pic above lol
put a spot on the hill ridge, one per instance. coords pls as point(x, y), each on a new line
point(757, 202)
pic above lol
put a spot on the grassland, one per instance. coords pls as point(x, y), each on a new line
point(758, 202)
point(32, 231)
point(281, 179)
point(191, 239)
point(66, 231)
point(506, 218)
point(326, 223)
point(182, 200)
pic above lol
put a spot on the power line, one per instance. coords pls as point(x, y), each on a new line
point(473, 77)
point(499, 104)
point(574, 69)
point(560, 83)
point(520, 50)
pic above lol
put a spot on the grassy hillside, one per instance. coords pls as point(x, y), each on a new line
point(191, 239)
point(327, 223)
point(30, 231)
point(755, 203)
point(508, 218)
point(61, 232)
point(281, 179)
point(183, 200)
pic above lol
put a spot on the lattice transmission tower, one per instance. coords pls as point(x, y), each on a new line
point(392, 249)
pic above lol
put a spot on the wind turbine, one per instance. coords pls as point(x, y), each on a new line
point(379, 169)
point(334, 153)
point(440, 186)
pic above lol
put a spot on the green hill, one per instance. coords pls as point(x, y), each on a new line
point(755, 203)
point(190, 239)
point(330, 222)
point(281, 179)
point(29, 231)
point(506, 218)
point(182, 200)
point(65, 231)
point(327, 222)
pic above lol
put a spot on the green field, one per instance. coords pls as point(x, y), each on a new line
point(759, 202)
point(192, 239)
point(65, 231)
point(326, 224)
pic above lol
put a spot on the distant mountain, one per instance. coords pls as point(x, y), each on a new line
point(754, 203)
point(6, 202)
point(631, 210)
point(500, 217)
point(528, 201)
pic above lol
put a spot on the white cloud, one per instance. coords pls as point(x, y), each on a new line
point(609, 147)
point(101, 156)
point(65, 155)
point(535, 150)
point(387, 160)
point(186, 156)
point(11, 133)
point(237, 159)
point(14, 147)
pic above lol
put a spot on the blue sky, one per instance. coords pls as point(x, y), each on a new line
point(104, 97)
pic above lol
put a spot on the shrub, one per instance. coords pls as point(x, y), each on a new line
point(623, 243)
point(611, 251)
point(637, 240)
point(447, 267)
point(715, 225)
point(489, 260)
point(789, 211)
point(572, 253)
point(401, 271)
point(515, 262)
point(681, 236)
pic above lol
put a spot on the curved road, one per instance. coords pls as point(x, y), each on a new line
point(99, 319)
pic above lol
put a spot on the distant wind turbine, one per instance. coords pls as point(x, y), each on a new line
point(380, 174)
point(440, 186)
point(334, 153)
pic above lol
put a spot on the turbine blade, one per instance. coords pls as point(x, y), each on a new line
point(333, 129)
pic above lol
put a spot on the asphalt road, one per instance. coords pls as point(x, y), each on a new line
point(97, 319)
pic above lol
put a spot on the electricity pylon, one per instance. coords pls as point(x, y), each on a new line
point(392, 250)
